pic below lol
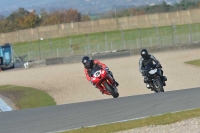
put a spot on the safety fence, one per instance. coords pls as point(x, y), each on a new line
point(45, 48)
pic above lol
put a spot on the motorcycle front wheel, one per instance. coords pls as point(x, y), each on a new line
point(159, 84)
point(111, 90)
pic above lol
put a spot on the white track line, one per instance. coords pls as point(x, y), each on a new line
point(119, 121)
point(4, 106)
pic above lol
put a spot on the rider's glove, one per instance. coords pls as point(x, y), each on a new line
point(144, 73)
point(158, 65)
point(107, 69)
point(91, 82)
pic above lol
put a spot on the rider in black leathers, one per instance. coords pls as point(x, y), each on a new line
point(144, 60)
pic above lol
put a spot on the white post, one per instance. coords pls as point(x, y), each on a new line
point(190, 33)
point(98, 47)
point(137, 44)
point(57, 53)
point(163, 41)
point(124, 44)
point(111, 48)
point(150, 42)
point(85, 50)
point(43, 56)
point(29, 56)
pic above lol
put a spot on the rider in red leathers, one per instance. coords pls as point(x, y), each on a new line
point(88, 65)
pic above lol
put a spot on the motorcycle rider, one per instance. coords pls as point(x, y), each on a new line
point(89, 64)
point(144, 60)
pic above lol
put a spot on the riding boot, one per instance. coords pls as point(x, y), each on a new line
point(111, 74)
point(164, 84)
point(164, 79)
point(148, 86)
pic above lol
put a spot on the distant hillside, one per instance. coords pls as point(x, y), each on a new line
point(84, 6)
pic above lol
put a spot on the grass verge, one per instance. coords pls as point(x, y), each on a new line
point(153, 120)
point(26, 97)
point(194, 62)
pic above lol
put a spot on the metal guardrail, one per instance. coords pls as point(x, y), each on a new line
point(107, 55)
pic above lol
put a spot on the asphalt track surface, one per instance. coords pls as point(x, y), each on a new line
point(70, 116)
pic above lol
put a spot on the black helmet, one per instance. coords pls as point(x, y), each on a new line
point(144, 53)
point(86, 61)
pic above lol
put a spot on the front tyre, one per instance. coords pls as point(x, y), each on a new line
point(111, 90)
point(159, 85)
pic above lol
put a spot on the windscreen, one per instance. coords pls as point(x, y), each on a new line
point(150, 66)
point(95, 69)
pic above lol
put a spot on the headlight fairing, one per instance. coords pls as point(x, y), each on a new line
point(153, 71)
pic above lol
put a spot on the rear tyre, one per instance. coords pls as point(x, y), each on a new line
point(111, 90)
point(155, 91)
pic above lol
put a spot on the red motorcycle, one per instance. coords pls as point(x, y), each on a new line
point(103, 81)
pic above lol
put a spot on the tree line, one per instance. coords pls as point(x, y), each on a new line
point(24, 19)
point(151, 9)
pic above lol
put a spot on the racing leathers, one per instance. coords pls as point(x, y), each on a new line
point(92, 64)
point(150, 59)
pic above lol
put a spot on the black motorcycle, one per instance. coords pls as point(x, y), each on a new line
point(153, 77)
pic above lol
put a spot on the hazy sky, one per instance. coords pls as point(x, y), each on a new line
point(7, 6)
